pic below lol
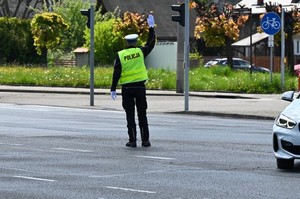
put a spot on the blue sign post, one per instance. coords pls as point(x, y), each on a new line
point(271, 23)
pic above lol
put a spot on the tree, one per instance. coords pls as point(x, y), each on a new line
point(110, 33)
point(291, 27)
point(132, 23)
point(70, 12)
point(47, 30)
point(218, 28)
point(106, 43)
point(19, 8)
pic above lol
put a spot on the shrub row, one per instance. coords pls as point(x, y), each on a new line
point(17, 42)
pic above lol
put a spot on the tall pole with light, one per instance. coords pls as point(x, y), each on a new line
point(180, 45)
point(183, 20)
point(90, 24)
point(187, 55)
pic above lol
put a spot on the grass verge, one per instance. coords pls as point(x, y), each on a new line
point(200, 79)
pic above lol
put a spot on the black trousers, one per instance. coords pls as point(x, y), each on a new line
point(136, 97)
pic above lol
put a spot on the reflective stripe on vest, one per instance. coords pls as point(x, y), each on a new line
point(133, 66)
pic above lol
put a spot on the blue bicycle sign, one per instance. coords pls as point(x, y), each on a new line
point(271, 23)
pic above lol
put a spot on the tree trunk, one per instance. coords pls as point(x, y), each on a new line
point(229, 51)
point(290, 51)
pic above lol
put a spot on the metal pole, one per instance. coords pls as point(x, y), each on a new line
point(282, 49)
point(271, 63)
point(180, 59)
point(186, 53)
point(271, 45)
point(251, 23)
point(92, 56)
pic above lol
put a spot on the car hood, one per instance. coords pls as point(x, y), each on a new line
point(262, 68)
point(293, 110)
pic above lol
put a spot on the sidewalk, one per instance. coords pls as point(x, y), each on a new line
point(252, 106)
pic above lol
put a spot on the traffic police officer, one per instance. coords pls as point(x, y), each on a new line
point(130, 71)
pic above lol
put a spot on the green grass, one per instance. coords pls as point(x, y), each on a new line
point(200, 79)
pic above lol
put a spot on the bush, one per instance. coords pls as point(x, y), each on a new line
point(106, 43)
point(110, 32)
point(70, 11)
point(17, 42)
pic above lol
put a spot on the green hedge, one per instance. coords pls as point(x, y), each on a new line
point(17, 42)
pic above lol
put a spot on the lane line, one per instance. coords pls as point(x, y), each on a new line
point(32, 178)
point(129, 174)
point(11, 144)
point(154, 157)
point(48, 108)
point(15, 169)
point(76, 150)
point(127, 189)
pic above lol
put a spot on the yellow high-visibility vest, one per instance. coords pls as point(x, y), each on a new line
point(133, 66)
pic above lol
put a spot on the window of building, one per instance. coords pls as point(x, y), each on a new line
point(297, 46)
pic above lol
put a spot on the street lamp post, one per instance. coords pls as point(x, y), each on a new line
point(247, 11)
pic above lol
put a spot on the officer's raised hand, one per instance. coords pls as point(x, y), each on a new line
point(150, 20)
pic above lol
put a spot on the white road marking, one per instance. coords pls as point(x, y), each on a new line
point(76, 150)
point(32, 178)
point(154, 157)
point(127, 189)
point(11, 144)
point(8, 189)
point(128, 174)
point(44, 108)
point(15, 169)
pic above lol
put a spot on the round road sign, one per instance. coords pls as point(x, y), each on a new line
point(271, 23)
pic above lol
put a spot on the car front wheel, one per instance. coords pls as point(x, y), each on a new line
point(285, 163)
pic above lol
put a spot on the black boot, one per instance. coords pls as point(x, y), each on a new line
point(131, 144)
point(132, 137)
point(146, 143)
point(145, 136)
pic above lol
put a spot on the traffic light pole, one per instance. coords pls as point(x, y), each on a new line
point(184, 20)
point(282, 50)
point(180, 59)
point(92, 10)
point(90, 24)
point(186, 56)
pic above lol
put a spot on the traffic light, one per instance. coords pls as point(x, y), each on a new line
point(181, 17)
point(87, 13)
point(260, 2)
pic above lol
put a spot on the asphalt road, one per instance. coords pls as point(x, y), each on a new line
point(257, 106)
point(61, 152)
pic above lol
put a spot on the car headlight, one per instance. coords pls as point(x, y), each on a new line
point(285, 122)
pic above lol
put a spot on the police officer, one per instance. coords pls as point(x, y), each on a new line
point(131, 73)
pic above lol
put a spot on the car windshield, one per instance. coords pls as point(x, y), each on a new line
point(244, 64)
point(223, 62)
point(213, 62)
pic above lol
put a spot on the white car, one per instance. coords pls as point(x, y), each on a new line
point(286, 132)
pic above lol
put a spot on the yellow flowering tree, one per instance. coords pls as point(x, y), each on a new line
point(47, 29)
point(132, 23)
point(216, 28)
